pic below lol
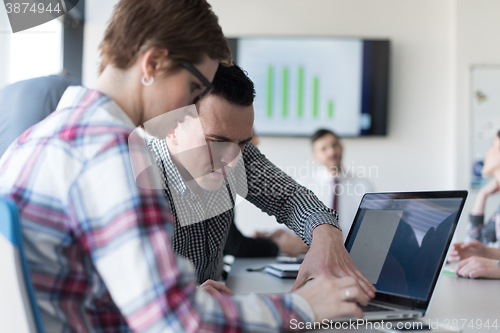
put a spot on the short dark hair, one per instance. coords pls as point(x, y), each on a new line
point(188, 29)
point(321, 133)
point(233, 84)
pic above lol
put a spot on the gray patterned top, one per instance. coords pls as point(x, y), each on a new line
point(266, 186)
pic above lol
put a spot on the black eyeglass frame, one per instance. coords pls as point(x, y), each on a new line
point(190, 67)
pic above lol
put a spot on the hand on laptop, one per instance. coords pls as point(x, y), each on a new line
point(460, 251)
point(327, 255)
point(331, 297)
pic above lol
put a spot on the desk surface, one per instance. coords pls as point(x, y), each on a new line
point(454, 299)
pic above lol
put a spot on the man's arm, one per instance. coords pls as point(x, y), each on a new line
point(276, 193)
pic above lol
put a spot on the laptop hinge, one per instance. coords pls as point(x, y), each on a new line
point(397, 306)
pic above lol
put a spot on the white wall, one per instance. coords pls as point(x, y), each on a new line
point(416, 154)
point(5, 32)
point(432, 47)
point(97, 14)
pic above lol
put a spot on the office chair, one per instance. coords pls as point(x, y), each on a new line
point(18, 309)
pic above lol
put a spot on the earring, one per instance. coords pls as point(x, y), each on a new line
point(150, 82)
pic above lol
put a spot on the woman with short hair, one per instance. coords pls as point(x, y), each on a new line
point(97, 244)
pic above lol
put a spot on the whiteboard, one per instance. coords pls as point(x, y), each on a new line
point(485, 96)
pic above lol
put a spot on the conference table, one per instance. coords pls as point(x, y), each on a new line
point(470, 304)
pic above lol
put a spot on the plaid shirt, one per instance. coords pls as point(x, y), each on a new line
point(97, 245)
point(254, 178)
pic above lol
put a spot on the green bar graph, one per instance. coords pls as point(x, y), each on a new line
point(315, 97)
point(288, 84)
point(285, 92)
point(300, 93)
point(269, 91)
point(330, 109)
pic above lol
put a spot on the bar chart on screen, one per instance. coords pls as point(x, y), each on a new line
point(285, 94)
point(302, 85)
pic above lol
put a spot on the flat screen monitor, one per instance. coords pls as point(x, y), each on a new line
point(304, 84)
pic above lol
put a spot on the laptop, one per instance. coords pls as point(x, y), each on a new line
point(399, 241)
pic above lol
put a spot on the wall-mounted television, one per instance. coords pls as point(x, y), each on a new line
point(306, 83)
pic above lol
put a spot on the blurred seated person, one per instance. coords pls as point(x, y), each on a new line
point(263, 244)
point(29, 102)
point(479, 257)
point(241, 246)
point(338, 188)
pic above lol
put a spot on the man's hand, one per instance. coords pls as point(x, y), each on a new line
point(477, 267)
point(214, 287)
point(328, 256)
point(461, 251)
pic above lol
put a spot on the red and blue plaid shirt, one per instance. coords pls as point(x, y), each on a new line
point(98, 246)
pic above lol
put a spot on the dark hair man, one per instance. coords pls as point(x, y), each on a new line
point(199, 181)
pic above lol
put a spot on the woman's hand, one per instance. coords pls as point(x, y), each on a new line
point(461, 251)
point(214, 287)
point(483, 194)
point(331, 297)
point(477, 267)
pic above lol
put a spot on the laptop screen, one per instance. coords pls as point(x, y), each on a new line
point(399, 240)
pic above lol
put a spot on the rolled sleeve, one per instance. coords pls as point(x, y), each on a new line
point(476, 220)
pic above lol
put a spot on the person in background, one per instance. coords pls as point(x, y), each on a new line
point(98, 245)
point(338, 188)
point(263, 244)
point(479, 258)
point(25, 103)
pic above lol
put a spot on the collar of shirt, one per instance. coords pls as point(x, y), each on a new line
point(75, 93)
point(175, 181)
point(190, 208)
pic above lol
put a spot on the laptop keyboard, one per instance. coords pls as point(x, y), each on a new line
point(373, 308)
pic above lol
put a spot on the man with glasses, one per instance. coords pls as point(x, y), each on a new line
point(206, 160)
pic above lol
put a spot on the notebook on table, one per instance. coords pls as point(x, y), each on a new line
point(283, 270)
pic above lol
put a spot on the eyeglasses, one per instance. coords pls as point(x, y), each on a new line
point(190, 67)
